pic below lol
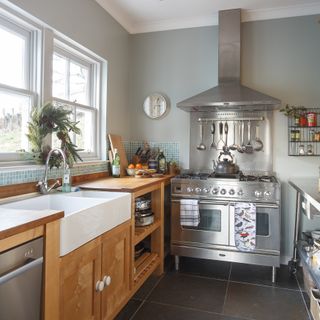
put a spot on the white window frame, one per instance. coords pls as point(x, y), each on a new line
point(32, 33)
point(69, 50)
point(43, 40)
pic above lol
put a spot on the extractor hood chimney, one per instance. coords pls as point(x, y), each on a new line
point(229, 94)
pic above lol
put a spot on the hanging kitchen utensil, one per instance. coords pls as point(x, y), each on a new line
point(220, 143)
point(248, 147)
point(213, 129)
point(234, 145)
point(201, 146)
point(242, 146)
point(257, 144)
point(226, 130)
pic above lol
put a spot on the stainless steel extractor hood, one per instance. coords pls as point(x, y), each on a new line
point(229, 94)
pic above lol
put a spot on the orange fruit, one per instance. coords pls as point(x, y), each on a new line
point(131, 166)
point(138, 166)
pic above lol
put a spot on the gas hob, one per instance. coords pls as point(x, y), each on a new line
point(255, 187)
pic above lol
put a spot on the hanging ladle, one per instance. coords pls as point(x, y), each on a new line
point(201, 146)
point(234, 146)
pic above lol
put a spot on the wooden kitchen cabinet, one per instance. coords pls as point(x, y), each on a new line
point(105, 259)
point(116, 269)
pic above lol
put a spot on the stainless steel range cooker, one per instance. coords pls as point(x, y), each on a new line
point(214, 237)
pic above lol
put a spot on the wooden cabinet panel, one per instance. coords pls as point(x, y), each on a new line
point(116, 265)
point(80, 271)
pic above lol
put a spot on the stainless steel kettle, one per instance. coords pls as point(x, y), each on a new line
point(225, 163)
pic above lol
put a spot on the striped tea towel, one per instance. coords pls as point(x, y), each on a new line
point(189, 213)
point(245, 226)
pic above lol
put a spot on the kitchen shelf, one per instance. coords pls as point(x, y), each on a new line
point(141, 233)
point(144, 267)
point(305, 135)
point(312, 267)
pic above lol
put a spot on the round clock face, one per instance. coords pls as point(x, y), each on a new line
point(155, 106)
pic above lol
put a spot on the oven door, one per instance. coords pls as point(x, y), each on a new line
point(212, 229)
point(267, 227)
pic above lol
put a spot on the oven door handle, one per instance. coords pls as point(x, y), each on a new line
point(212, 202)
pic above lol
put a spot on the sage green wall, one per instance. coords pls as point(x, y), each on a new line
point(279, 57)
point(90, 25)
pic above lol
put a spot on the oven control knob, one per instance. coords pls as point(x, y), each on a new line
point(206, 190)
point(223, 191)
point(240, 193)
point(267, 193)
point(258, 193)
point(197, 190)
point(215, 190)
point(231, 192)
point(189, 189)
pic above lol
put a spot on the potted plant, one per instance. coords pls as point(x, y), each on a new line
point(49, 120)
point(298, 113)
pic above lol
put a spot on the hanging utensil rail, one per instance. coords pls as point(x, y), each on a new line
point(206, 120)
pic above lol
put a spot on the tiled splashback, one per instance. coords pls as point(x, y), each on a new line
point(35, 173)
point(171, 150)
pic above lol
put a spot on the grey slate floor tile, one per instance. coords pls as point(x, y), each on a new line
point(155, 311)
point(190, 291)
point(264, 303)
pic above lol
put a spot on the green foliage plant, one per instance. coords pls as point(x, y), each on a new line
point(49, 120)
point(293, 111)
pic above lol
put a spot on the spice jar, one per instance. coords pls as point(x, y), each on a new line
point(316, 136)
point(312, 119)
point(311, 135)
point(301, 150)
point(309, 150)
point(295, 135)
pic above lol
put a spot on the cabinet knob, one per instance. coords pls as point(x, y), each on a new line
point(99, 286)
point(107, 280)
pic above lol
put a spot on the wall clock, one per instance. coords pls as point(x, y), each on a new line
point(155, 105)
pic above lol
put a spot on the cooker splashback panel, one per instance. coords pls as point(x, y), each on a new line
point(258, 160)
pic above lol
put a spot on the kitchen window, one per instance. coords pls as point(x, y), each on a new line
point(18, 84)
point(37, 65)
point(75, 79)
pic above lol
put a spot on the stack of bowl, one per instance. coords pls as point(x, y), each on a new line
point(143, 212)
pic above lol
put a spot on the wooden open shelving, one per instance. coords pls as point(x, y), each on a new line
point(144, 266)
point(141, 233)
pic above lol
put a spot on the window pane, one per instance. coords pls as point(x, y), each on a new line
point(79, 83)
point(14, 115)
point(59, 77)
point(85, 139)
point(12, 59)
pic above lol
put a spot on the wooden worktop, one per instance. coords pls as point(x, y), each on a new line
point(125, 184)
point(13, 221)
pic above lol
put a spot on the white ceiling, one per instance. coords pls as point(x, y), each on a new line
point(138, 16)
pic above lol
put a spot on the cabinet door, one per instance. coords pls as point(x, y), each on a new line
point(80, 271)
point(116, 266)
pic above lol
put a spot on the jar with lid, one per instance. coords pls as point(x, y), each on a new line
point(295, 135)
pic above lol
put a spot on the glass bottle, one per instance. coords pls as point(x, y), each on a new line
point(162, 163)
point(116, 164)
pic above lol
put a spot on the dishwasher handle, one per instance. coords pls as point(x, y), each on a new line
point(16, 272)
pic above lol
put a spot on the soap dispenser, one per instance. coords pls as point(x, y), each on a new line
point(66, 180)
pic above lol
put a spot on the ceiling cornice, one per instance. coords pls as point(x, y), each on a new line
point(207, 20)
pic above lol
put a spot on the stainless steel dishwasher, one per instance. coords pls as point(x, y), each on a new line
point(21, 281)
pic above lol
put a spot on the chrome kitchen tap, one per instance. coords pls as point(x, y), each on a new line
point(43, 184)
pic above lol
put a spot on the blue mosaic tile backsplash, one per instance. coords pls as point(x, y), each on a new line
point(35, 173)
point(170, 149)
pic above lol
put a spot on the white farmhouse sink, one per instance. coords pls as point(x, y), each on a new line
point(88, 214)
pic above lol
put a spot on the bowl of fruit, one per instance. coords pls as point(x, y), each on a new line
point(131, 170)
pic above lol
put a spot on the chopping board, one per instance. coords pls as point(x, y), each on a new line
point(116, 143)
